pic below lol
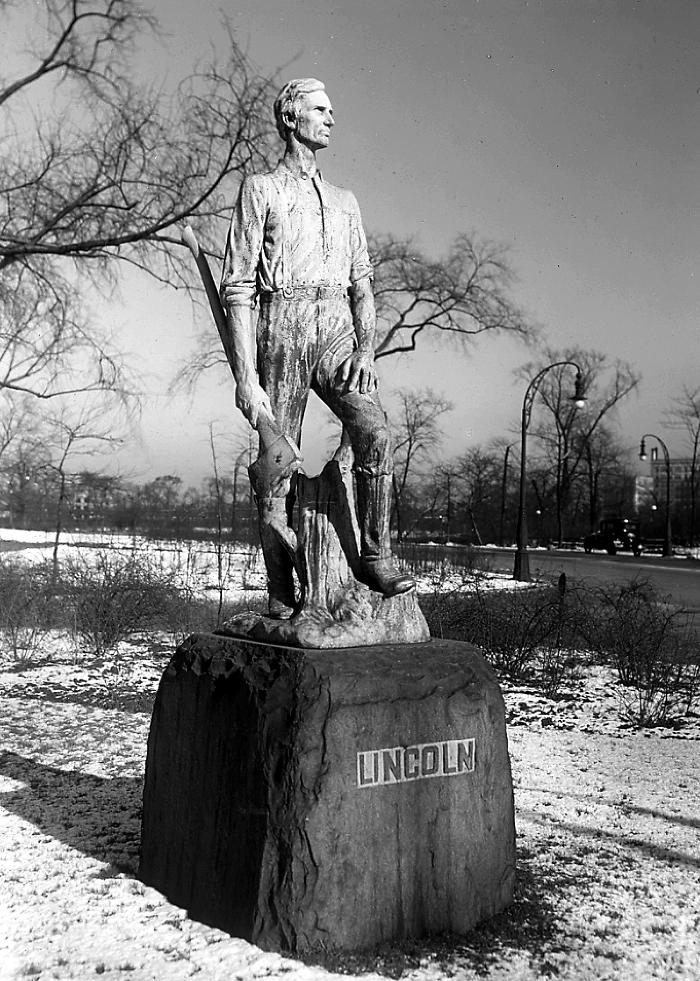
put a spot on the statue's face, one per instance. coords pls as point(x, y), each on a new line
point(313, 120)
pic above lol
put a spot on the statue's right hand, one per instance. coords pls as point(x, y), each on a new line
point(252, 399)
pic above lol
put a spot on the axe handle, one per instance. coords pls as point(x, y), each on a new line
point(267, 429)
point(266, 425)
point(190, 240)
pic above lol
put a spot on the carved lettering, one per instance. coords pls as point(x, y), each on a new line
point(465, 756)
point(362, 779)
point(429, 761)
point(413, 756)
point(391, 765)
point(402, 764)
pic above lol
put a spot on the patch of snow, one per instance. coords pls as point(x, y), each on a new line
point(607, 823)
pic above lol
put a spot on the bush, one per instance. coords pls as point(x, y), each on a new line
point(188, 614)
point(532, 634)
point(24, 607)
point(653, 647)
point(115, 595)
point(526, 634)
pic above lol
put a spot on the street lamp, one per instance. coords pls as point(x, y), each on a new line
point(521, 567)
point(668, 550)
point(504, 491)
point(538, 522)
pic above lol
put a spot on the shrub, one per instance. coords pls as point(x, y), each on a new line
point(188, 614)
point(525, 633)
point(24, 607)
point(532, 634)
point(653, 647)
point(115, 595)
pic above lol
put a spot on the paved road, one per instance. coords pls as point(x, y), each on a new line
point(677, 578)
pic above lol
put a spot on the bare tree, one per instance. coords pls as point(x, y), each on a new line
point(47, 346)
point(684, 415)
point(218, 488)
point(417, 435)
point(463, 294)
point(159, 500)
point(477, 489)
point(606, 467)
point(566, 431)
point(105, 171)
point(71, 433)
point(23, 461)
point(17, 422)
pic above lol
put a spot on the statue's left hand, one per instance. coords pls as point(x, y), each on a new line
point(357, 373)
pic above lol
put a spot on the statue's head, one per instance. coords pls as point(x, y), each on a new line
point(303, 108)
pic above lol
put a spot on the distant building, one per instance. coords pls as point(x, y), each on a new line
point(651, 490)
point(681, 472)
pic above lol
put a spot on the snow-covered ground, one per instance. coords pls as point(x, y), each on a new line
point(608, 823)
point(194, 565)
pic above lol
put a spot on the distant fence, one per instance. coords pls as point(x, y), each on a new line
point(648, 544)
point(653, 544)
point(426, 557)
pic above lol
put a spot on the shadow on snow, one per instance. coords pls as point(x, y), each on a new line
point(98, 816)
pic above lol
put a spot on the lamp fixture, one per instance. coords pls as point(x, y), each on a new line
point(578, 398)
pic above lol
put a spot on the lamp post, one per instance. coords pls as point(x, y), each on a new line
point(504, 491)
point(668, 550)
point(521, 567)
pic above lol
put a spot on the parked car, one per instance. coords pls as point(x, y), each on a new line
point(615, 535)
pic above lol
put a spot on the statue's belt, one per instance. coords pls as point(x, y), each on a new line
point(302, 293)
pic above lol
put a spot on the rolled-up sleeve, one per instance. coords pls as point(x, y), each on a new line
point(244, 245)
point(360, 265)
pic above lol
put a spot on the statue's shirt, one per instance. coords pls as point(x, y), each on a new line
point(290, 231)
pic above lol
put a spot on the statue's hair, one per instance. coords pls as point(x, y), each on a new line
point(289, 96)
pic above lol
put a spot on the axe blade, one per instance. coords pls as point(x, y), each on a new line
point(277, 461)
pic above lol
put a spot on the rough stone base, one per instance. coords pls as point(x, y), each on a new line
point(364, 618)
point(306, 799)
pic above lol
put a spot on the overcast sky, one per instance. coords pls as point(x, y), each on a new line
point(566, 129)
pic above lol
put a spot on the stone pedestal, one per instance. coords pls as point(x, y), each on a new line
point(306, 799)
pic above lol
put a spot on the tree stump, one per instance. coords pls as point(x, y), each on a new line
point(319, 799)
point(337, 609)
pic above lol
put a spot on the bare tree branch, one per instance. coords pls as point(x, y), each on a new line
point(103, 176)
point(464, 294)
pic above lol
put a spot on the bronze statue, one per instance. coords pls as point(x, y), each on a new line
point(297, 291)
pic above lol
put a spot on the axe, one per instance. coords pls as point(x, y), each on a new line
point(279, 452)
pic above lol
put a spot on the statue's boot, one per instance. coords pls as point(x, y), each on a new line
point(277, 540)
point(374, 513)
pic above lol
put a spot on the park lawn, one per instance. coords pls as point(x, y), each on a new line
point(608, 823)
